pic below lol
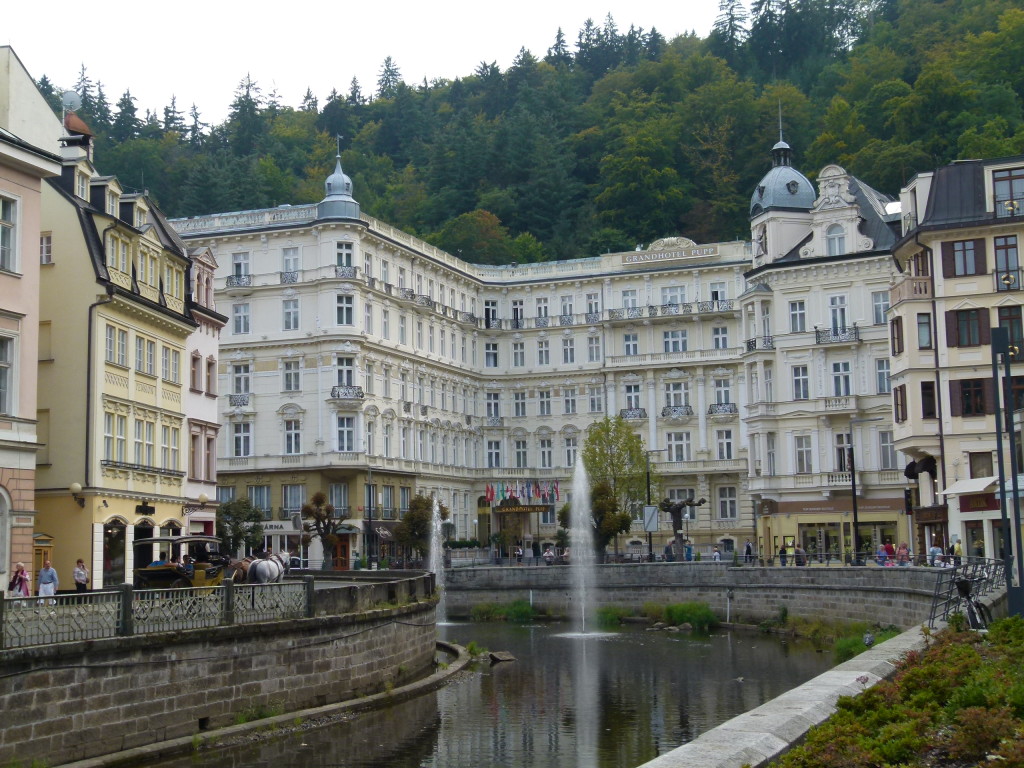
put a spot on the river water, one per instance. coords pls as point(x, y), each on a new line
point(646, 693)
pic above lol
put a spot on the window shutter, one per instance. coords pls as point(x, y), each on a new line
point(989, 394)
point(948, 264)
point(952, 330)
point(956, 405)
point(980, 266)
point(985, 326)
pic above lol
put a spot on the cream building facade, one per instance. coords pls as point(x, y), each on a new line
point(960, 277)
point(816, 362)
point(28, 140)
point(363, 362)
point(115, 325)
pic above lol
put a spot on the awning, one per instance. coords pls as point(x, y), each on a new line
point(970, 485)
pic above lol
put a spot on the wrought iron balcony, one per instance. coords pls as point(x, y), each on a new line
point(593, 317)
point(677, 411)
point(836, 335)
point(566, 320)
point(407, 407)
point(495, 421)
point(633, 413)
point(492, 323)
point(406, 293)
point(238, 281)
point(467, 317)
point(469, 420)
point(721, 409)
point(344, 272)
point(424, 410)
point(516, 323)
point(1008, 279)
point(616, 314)
point(718, 305)
point(634, 312)
point(346, 392)
point(238, 400)
point(760, 342)
point(289, 277)
point(424, 301)
point(541, 322)
point(669, 309)
point(1009, 208)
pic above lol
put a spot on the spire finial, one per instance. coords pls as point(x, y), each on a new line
point(338, 137)
point(780, 119)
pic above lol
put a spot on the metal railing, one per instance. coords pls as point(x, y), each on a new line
point(834, 335)
point(677, 411)
point(718, 409)
point(238, 281)
point(985, 575)
point(633, 413)
point(289, 277)
point(348, 273)
point(346, 393)
point(124, 611)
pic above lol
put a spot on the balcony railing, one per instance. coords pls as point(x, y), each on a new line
point(424, 301)
point(593, 317)
point(633, 413)
point(836, 335)
point(346, 392)
point(1008, 279)
point(516, 323)
point(760, 342)
point(467, 317)
point(238, 281)
point(1009, 208)
point(911, 288)
point(541, 322)
point(238, 400)
point(722, 409)
point(289, 277)
point(344, 272)
point(566, 320)
point(406, 407)
point(677, 411)
point(494, 421)
point(492, 323)
point(407, 294)
point(424, 410)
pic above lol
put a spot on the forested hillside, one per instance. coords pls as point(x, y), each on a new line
point(607, 141)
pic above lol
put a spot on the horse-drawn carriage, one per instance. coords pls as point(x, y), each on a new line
point(201, 563)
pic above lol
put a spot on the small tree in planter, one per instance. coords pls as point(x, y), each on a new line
point(414, 530)
point(319, 519)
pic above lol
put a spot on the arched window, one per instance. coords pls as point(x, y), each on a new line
point(835, 240)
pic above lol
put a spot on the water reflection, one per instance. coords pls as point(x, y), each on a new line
point(611, 701)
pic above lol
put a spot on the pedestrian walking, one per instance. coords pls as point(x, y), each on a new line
point(48, 582)
point(20, 584)
point(748, 552)
point(782, 555)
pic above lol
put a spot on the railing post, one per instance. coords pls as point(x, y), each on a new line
point(228, 607)
point(125, 623)
point(309, 581)
point(3, 600)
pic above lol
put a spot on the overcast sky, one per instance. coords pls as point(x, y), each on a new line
point(199, 51)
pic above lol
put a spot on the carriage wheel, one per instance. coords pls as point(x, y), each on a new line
point(180, 584)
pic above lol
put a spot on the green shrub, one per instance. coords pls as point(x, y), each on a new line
point(846, 648)
point(475, 650)
point(697, 615)
point(486, 612)
point(520, 612)
point(653, 611)
point(611, 615)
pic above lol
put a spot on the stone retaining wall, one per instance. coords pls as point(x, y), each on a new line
point(898, 596)
point(71, 701)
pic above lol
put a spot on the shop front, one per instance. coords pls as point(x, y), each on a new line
point(825, 528)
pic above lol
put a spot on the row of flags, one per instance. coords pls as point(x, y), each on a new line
point(524, 490)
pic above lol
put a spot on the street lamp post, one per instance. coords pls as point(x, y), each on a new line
point(853, 488)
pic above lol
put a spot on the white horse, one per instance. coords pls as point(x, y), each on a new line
point(269, 571)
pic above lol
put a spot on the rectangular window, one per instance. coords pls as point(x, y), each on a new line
point(545, 453)
point(240, 316)
point(632, 396)
point(723, 392)
point(568, 351)
point(887, 450)
point(520, 452)
point(924, 330)
point(972, 399)
point(928, 408)
point(1010, 319)
point(345, 310)
point(346, 433)
point(801, 383)
point(1007, 263)
point(677, 394)
point(240, 378)
point(343, 252)
point(673, 294)
point(110, 344)
point(724, 440)
point(569, 398)
point(291, 376)
point(962, 258)
point(566, 305)
point(493, 454)
point(720, 338)
point(593, 304)
point(491, 354)
point(882, 384)
point(401, 329)
point(542, 307)
point(630, 344)
point(46, 248)
point(543, 352)
point(727, 504)
point(674, 341)
point(165, 363)
point(899, 403)
point(518, 354)
point(593, 349)
point(797, 317)
point(544, 402)
point(519, 404)
point(240, 264)
point(629, 299)
point(802, 450)
point(290, 312)
point(879, 306)
point(842, 447)
point(596, 397)
point(346, 367)
point(493, 401)
point(241, 439)
point(678, 446)
point(841, 380)
point(837, 312)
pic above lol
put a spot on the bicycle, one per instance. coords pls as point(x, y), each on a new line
point(978, 614)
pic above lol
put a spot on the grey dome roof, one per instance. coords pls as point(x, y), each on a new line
point(783, 186)
point(339, 202)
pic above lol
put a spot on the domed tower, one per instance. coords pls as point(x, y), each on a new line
point(339, 203)
point(780, 207)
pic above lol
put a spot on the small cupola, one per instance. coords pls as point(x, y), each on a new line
point(339, 203)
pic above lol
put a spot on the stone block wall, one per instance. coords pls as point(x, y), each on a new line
point(898, 596)
point(72, 701)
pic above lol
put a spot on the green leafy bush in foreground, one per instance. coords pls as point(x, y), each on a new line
point(958, 703)
point(697, 615)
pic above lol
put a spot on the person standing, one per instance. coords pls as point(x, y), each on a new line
point(716, 556)
point(958, 554)
point(81, 576)
point(48, 582)
point(782, 555)
point(799, 555)
point(20, 582)
point(748, 552)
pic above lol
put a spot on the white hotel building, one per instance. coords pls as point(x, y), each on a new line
point(366, 363)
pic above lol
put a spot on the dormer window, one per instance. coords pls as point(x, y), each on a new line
point(835, 240)
point(1008, 187)
point(112, 202)
point(82, 185)
point(140, 217)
